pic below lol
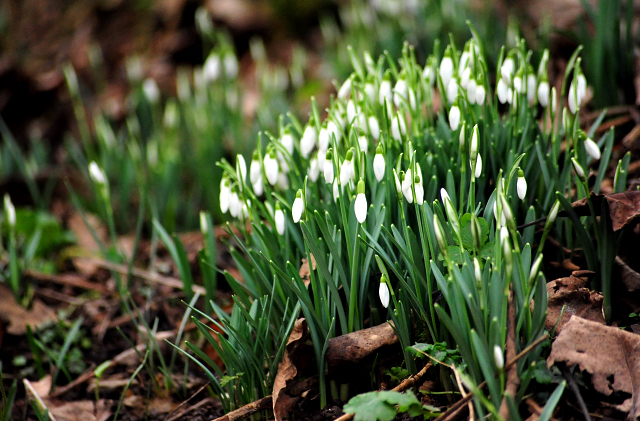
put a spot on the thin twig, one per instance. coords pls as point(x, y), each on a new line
point(172, 413)
point(513, 381)
point(454, 408)
point(248, 409)
point(404, 385)
point(574, 388)
point(192, 407)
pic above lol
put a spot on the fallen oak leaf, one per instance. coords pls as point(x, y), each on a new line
point(582, 342)
point(287, 371)
point(624, 208)
point(305, 271)
point(19, 317)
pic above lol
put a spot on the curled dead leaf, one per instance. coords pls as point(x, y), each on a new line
point(570, 297)
point(624, 208)
point(287, 371)
point(611, 355)
point(305, 271)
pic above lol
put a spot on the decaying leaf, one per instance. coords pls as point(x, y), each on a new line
point(353, 347)
point(624, 208)
point(630, 278)
point(611, 355)
point(305, 272)
point(287, 371)
point(572, 294)
point(19, 317)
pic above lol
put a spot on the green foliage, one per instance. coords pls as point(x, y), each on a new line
point(383, 406)
point(440, 353)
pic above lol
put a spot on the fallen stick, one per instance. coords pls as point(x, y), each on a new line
point(248, 409)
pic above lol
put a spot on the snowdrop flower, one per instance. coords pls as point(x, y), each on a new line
point(212, 68)
point(314, 168)
point(279, 218)
point(592, 148)
point(151, 90)
point(446, 67)
point(473, 148)
point(363, 142)
point(518, 83)
point(454, 116)
point(577, 93)
point(476, 270)
point(241, 169)
point(471, 91)
point(334, 130)
point(478, 171)
point(308, 141)
point(360, 206)
point(255, 172)
point(9, 211)
point(480, 93)
point(554, 100)
point(578, 168)
point(379, 163)
point(543, 93)
point(406, 186)
point(464, 59)
point(452, 215)
point(419, 186)
point(336, 190)
point(234, 203)
point(297, 208)
point(225, 192)
point(352, 111)
point(506, 248)
point(287, 141)
point(97, 175)
point(323, 139)
point(230, 65)
point(498, 357)
point(452, 90)
point(370, 90)
point(465, 76)
point(503, 91)
point(271, 167)
point(383, 291)
point(328, 167)
point(243, 210)
point(553, 213)
point(531, 88)
point(345, 89)
point(398, 185)
point(385, 93)
point(400, 92)
point(507, 68)
point(398, 127)
point(499, 216)
point(374, 127)
point(347, 169)
point(521, 185)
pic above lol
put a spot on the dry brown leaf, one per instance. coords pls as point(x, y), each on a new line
point(305, 272)
point(572, 294)
point(353, 347)
point(630, 278)
point(19, 317)
point(287, 371)
point(611, 355)
point(624, 208)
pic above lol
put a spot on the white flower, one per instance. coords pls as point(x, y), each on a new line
point(234, 203)
point(518, 84)
point(454, 116)
point(592, 148)
point(554, 100)
point(464, 60)
point(97, 175)
point(271, 169)
point(521, 185)
point(398, 185)
point(446, 68)
point(363, 142)
point(360, 206)
point(498, 357)
point(543, 93)
point(212, 68)
point(398, 127)
point(478, 171)
point(578, 168)
point(465, 76)
point(481, 94)
point(573, 101)
point(406, 186)
point(225, 192)
point(230, 65)
point(385, 93)
point(258, 186)
point(473, 148)
point(347, 169)
point(297, 208)
point(323, 139)
point(287, 141)
point(243, 210)
point(582, 87)
point(471, 91)
point(336, 190)
point(400, 92)
point(440, 234)
point(503, 91)
point(370, 91)
point(345, 89)
point(151, 90)
point(9, 211)
point(255, 172)
point(374, 127)
point(553, 213)
point(314, 168)
point(352, 111)
point(279, 217)
point(379, 165)
point(308, 141)
point(383, 292)
point(508, 65)
point(476, 270)
point(531, 88)
point(452, 90)
point(328, 167)
point(334, 130)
